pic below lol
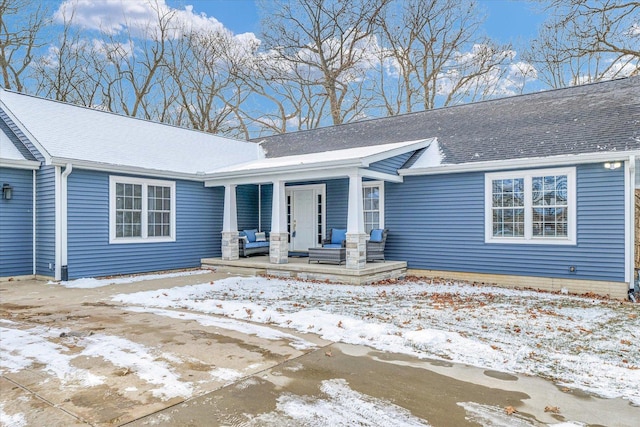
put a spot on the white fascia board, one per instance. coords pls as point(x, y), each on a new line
point(381, 176)
point(20, 164)
point(251, 177)
point(531, 162)
point(25, 131)
point(132, 170)
point(418, 145)
point(287, 173)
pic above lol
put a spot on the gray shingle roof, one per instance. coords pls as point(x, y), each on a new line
point(597, 117)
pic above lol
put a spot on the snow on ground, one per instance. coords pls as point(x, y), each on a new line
point(22, 348)
point(144, 362)
point(19, 349)
point(15, 420)
point(586, 343)
point(232, 325)
point(342, 407)
point(89, 283)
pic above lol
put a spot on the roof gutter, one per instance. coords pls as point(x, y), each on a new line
point(531, 162)
point(20, 164)
point(132, 170)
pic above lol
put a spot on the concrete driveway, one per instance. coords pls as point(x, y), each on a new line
point(192, 373)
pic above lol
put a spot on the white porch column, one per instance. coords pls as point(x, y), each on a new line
point(279, 238)
point(356, 237)
point(230, 250)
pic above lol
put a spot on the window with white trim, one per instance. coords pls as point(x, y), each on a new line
point(535, 206)
point(373, 199)
point(141, 210)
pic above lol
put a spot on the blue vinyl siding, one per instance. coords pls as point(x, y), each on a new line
point(45, 221)
point(337, 203)
point(16, 224)
point(437, 222)
point(392, 164)
point(266, 199)
point(247, 206)
point(198, 227)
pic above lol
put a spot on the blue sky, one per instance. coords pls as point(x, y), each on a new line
point(507, 20)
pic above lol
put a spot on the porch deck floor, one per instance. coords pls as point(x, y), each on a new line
point(299, 267)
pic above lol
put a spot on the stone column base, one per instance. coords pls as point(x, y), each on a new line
point(230, 249)
point(356, 251)
point(279, 248)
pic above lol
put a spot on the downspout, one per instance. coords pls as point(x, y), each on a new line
point(631, 223)
point(64, 271)
point(33, 224)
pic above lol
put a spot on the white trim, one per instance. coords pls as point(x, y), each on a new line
point(115, 179)
point(19, 164)
point(119, 169)
point(230, 210)
point(528, 238)
point(355, 211)
point(33, 221)
point(317, 189)
point(380, 185)
point(64, 211)
point(29, 135)
point(58, 224)
point(629, 224)
point(531, 162)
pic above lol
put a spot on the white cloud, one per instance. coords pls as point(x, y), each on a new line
point(140, 17)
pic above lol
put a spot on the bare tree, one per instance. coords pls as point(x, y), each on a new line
point(437, 56)
point(72, 69)
point(587, 41)
point(21, 23)
point(327, 48)
point(137, 65)
point(203, 65)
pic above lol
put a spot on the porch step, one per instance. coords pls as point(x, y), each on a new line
point(299, 268)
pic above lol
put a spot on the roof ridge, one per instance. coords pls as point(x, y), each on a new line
point(448, 107)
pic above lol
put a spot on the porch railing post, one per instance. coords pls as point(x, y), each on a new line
point(279, 237)
point(356, 237)
point(229, 246)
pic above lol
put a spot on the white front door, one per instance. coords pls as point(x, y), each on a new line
point(305, 205)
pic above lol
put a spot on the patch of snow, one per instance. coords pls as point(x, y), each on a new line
point(140, 360)
point(342, 406)
point(225, 374)
point(579, 342)
point(232, 325)
point(15, 420)
point(493, 416)
point(19, 349)
point(432, 156)
point(90, 283)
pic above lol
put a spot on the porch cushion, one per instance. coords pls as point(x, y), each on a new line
point(332, 245)
point(338, 235)
point(251, 235)
point(261, 237)
point(257, 245)
point(376, 235)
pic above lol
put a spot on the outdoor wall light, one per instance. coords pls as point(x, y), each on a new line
point(7, 191)
point(612, 165)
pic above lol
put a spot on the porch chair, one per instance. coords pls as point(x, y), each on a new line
point(337, 238)
point(375, 244)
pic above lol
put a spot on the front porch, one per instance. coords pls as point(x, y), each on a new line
point(299, 268)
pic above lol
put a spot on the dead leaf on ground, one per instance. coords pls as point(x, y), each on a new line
point(553, 409)
point(510, 410)
point(328, 353)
